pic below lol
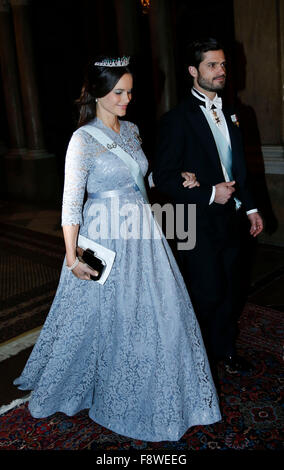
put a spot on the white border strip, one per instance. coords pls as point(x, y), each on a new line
point(13, 404)
point(14, 346)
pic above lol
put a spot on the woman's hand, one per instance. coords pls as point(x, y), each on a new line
point(190, 180)
point(82, 271)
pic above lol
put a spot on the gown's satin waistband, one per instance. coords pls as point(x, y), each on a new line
point(113, 192)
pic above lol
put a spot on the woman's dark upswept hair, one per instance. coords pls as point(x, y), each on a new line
point(98, 82)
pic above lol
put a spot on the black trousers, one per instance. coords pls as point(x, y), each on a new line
point(212, 272)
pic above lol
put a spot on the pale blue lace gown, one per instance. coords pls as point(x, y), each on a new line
point(130, 350)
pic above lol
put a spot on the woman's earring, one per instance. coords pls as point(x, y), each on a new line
point(96, 100)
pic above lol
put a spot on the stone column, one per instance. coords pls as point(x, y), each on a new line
point(127, 27)
point(16, 143)
point(281, 57)
point(28, 78)
point(3, 172)
point(39, 166)
point(104, 26)
point(162, 55)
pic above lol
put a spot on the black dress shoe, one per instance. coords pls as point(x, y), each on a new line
point(236, 364)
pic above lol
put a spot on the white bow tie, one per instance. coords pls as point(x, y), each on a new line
point(217, 102)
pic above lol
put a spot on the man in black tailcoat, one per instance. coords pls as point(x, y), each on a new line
point(201, 135)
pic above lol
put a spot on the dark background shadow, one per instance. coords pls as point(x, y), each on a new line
point(66, 33)
point(252, 142)
point(255, 166)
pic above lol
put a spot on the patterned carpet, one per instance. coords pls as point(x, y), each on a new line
point(253, 417)
point(30, 264)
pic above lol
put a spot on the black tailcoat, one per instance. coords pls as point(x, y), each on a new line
point(186, 143)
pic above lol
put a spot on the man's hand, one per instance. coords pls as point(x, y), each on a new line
point(256, 224)
point(190, 179)
point(223, 192)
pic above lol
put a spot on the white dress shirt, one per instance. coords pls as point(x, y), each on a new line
point(222, 125)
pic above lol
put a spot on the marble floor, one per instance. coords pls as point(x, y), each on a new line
point(40, 219)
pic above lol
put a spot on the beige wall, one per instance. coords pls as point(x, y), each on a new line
point(257, 28)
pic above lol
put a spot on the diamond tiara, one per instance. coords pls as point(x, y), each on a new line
point(119, 62)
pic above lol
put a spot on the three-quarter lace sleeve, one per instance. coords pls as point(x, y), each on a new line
point(77, 165)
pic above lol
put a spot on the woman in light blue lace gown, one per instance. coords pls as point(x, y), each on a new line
point(130, 351)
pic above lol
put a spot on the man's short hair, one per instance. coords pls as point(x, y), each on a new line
point(196, 49)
